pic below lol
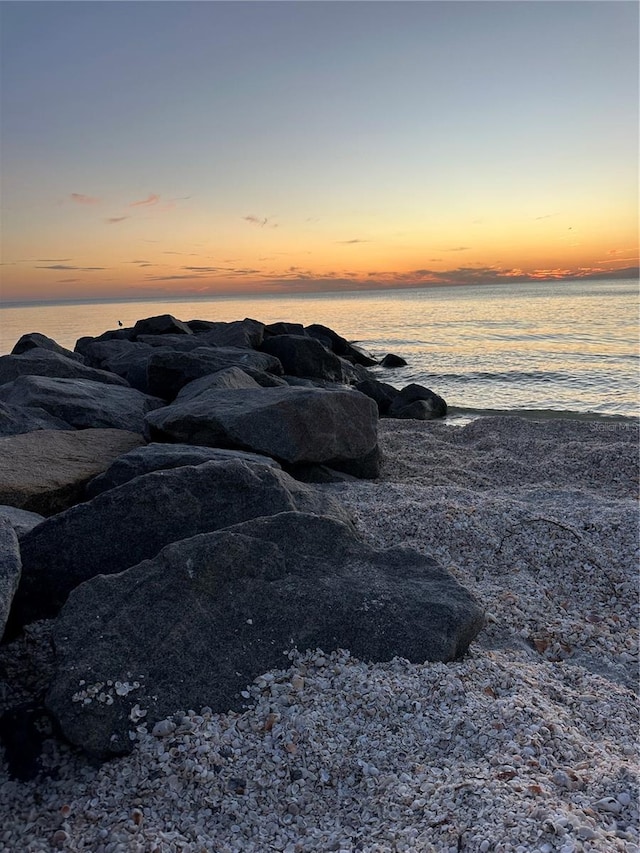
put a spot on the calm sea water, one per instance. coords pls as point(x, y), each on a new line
point(566, 348)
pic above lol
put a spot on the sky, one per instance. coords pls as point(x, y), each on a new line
point(191, 149)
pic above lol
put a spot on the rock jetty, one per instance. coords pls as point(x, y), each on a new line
point(160, 506)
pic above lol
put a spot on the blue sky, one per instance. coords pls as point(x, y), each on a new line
point(314, 145)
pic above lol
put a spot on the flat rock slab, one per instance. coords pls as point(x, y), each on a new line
point(158, 457)
point(195, 625)
point(132, 522)
point(292, 425)
point(82, 403)
point(46, 471)
point(43, 362)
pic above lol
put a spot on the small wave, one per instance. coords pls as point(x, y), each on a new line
point(457, 413)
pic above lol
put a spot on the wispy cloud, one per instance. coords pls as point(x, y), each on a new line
point(457, 249)
point(52, 260)
point(152, 198)
point(545, 216)
point(351, 242)
point(81, 198)
point(68, 267)
point(261, 222)
point(113, 219)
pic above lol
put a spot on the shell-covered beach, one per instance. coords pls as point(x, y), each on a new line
point(529, 743)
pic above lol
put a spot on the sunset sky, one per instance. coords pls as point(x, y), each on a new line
point(202, 148)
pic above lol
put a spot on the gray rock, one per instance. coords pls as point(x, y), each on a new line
point(240, 333)
point(82, 344)
point(392, 360)
point(195, 625)
point(15, 420)
point(132, 522)
point(383, 393)
point(291, 425)
point(47, 471)
point(284, 329)
point(21, 520)
point(303, 356)
point(10, 567)
point(169, 372)
point(42, 362)
point(229, 378)
point(163, 324)
point(158, 457)
point(34, 340)
point(82, 403)
point(417, 402)
point(339, 345)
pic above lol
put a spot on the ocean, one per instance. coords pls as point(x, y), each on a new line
point(544, 349)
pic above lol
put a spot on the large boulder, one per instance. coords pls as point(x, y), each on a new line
point(47, 471)
point(163, 324)
point(393, 360)
point(341, 346)
point(227, 379)
point(195, 625)
point(159, 457)
point(10, 567)
point(293, 425)
point(168, 372)
point(304, 356)
point(132, 522)
point(418, 403)
point(34, 340)
point(82, 403)
point(240, 333)
point(19, 419)
point(42, 362)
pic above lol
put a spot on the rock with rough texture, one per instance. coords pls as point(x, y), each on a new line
point(132, 522)
point(304, 356)
point(47, 471)
point(163, 324)
point(15, 420)
point(159, 457)
point(383, 393)
point(417, 402)
point(227, 379)
point(168, 372)
point(82, 403)
point(293, 425)
point(339, 345)
point(42, 362)
point(21, 520)
point(284, 329)
point(34, 340)
point(392, 360)
point(10, 567)
point(195, 625)
point(102, 354)
point(245, 333)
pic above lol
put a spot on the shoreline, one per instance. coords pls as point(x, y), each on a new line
point(528, 743)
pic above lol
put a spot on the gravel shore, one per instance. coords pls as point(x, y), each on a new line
point(529, 744)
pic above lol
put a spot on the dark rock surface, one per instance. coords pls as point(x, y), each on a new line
point(15, 420)
point(303, 356)
point(47, 471)
point(82, 403)
point(392, 360)
point(240, 333)
point(418, 402)
point(132, 522)
point(34, 340)
point(383, 393)
point(42, 362)
point(339, 345)
point(10, 567)
point(168, 372)
point(163, 324)
point(229, 378)
point(158, 457)
point(290, 424)
point(196, 624)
